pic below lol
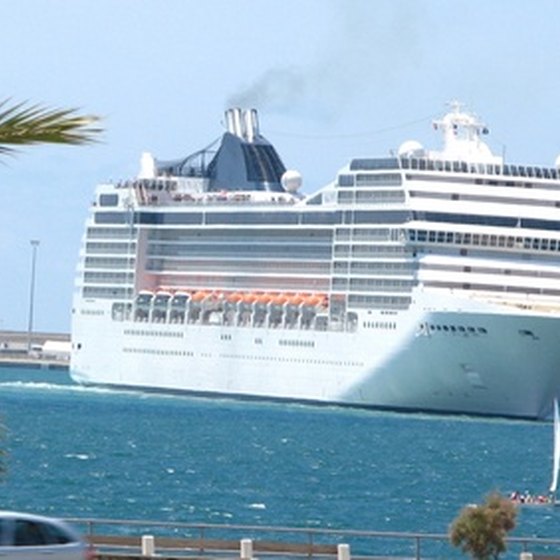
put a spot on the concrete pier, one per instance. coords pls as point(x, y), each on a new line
point(42, 350)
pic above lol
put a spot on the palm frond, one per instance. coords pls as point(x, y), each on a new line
point(23, 124)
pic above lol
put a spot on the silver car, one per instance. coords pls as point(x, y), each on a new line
point(24, 536)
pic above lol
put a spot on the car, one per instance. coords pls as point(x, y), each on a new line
point(24, 536)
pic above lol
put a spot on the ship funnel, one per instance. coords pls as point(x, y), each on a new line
point(230, 123)
point(243, 123)
point(251, 124)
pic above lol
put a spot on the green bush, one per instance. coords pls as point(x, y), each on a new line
point(481, 530)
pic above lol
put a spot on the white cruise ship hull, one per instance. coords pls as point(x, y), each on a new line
point(504, 365)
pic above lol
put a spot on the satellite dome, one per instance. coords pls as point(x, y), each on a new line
point(291, 180)
point(557, 162)
point(411, 148)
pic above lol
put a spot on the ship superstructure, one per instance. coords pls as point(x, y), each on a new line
point(427, 280)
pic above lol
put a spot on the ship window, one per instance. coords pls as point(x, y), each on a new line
point(374, 163)
point(389, 217)
point(318, 218)
point(346, 180)
point(371, 179)
point(345, 197)
point(252, 218)
point(540, 224)
point(168, 218)
point(108, 199)
point(111, 218)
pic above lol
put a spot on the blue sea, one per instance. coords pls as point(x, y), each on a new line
point(82, 452)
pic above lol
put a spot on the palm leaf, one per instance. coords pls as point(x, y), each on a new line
point(23, 124)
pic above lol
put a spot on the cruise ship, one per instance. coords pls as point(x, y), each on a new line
point(422, 280)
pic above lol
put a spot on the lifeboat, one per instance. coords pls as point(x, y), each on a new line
point(313, 300)
point(180, 298)
point(263, 299)
point(234, 297)
point(295, 300)
point(278, 300)
point(161, 299)
point(199, 296)
point(144, 296)
point(181, 294)
point(163, 294)
point(249, 298)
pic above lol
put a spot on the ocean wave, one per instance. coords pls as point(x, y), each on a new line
point(46, 386)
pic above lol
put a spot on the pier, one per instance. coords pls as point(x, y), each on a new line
point(40, 350)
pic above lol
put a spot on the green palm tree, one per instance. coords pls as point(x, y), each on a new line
point(22, 124)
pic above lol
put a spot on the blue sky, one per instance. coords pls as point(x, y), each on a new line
point(332, 79)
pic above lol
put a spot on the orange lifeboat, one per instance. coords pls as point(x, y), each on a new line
point(248, 298)
point(313, 300)
point(233, 297)
point(278, 300)
point(199, 296)
point(295, 300)
point(263, 299)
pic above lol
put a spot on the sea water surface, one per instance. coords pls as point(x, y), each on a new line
point(81, 452)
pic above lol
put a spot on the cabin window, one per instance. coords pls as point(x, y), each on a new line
point(108, 199)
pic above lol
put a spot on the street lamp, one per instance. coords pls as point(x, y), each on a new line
point(34, 245)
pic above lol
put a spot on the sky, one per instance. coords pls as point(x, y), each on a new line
point(331, 80)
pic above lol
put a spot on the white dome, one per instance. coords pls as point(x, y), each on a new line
point(557, 162)
point(411, 148)
point(291, 180)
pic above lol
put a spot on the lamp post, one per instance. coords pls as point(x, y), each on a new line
point(34, 245)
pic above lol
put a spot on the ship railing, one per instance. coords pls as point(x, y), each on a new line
point(141, 539)
point(215, 199)
point(484, 168)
